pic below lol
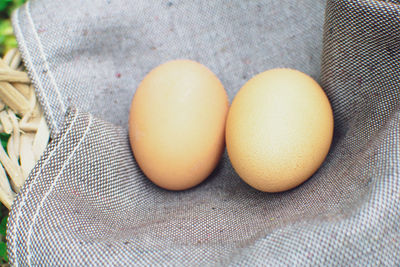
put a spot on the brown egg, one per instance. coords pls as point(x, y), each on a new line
point(177, 124)
point(279, 130)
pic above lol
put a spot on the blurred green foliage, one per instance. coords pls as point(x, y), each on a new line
point(4, 140)
point(3, 244)
point(3, 230)
point(7, 38)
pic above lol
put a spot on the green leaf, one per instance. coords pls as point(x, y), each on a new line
point(17, 3)
point(4, 139)
point(10, 42)
point(3, 226)
point(4, 4)
point(3, 251)
point(5, 27)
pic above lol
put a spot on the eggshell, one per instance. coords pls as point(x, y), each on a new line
point(279, 130)
point(177, 124)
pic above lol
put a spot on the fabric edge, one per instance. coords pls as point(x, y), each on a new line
point(19, 202)
point(37, 71)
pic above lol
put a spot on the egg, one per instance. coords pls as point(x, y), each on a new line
point(279, 130)
point(177, 124)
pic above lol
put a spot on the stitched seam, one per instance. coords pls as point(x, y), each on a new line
point(43, 56)
point(28, 241)
point(35, 75)
point(23, 201)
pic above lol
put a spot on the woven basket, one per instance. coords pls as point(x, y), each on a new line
point(23, 129)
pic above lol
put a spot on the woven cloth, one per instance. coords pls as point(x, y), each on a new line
point(87, 203)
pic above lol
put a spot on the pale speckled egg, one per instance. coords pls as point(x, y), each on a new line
point(177, 124)
point(279, 130)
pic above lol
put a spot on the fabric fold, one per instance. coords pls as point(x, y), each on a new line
point(87, 202)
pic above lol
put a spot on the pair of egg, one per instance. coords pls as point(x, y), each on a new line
point(277, 131)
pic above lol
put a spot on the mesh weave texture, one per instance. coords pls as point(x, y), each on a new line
point(87, 203)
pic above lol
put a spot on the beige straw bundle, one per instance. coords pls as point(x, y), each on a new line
point(22, 122)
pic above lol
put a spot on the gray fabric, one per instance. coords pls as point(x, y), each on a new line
point(93, 54)
point(87, 203)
